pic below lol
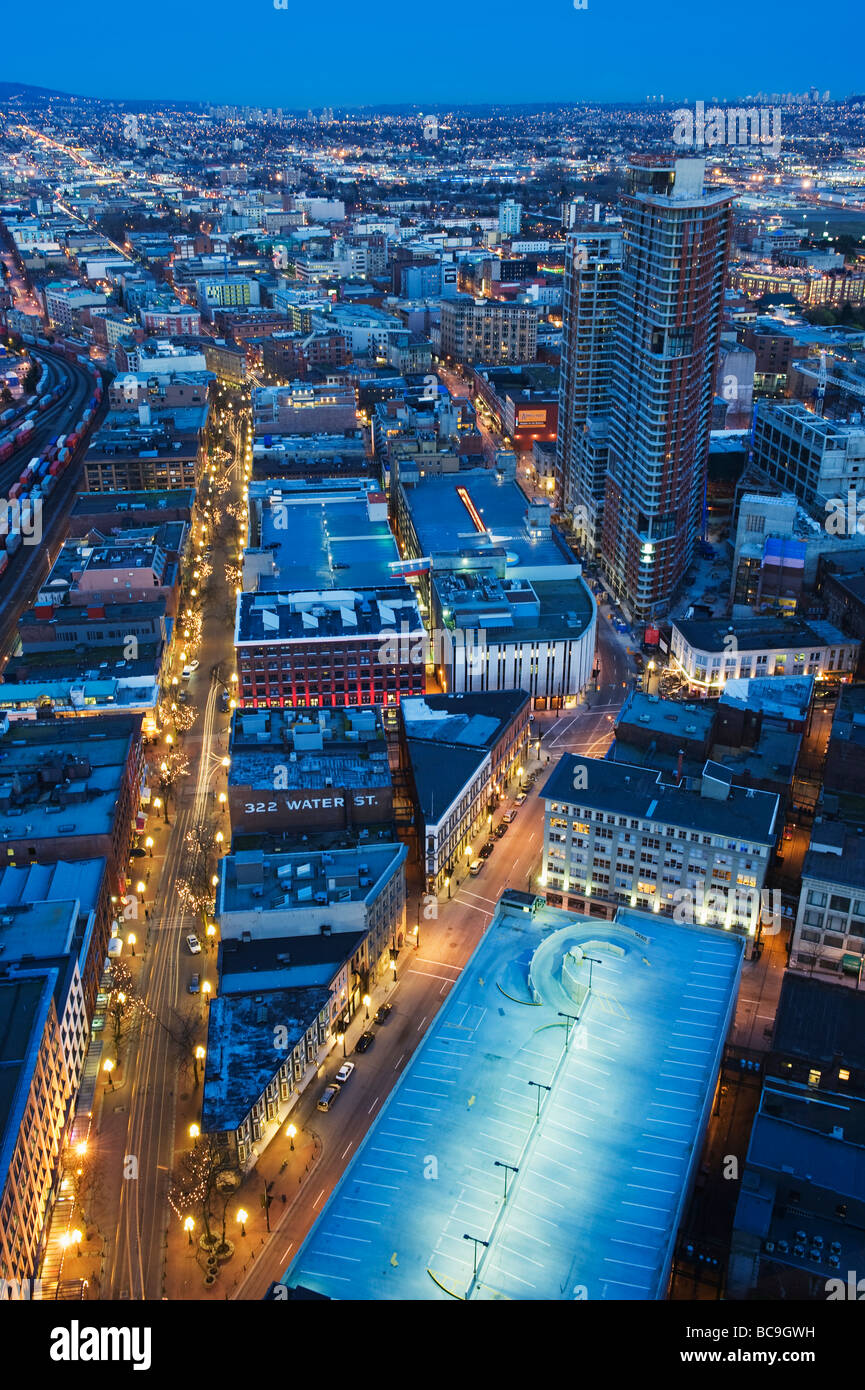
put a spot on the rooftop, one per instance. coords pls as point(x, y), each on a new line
point(443, 509)
point(641, 792)
point(241, 1057)
point(315, 615)
point(576, 1222)
point(345, 746)
point(322, 542)
point(252, 881)
point(759, 634)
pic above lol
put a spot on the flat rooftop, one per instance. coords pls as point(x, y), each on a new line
point(759, 634)
point(241, 1059)
point(308, 616)
point(468, 718)
point(252, 881)
point(641, 792)
point(603, 1173)
point(442, 521)
point(345, 745)
point(325, 543)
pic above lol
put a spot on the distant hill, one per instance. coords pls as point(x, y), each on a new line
point(22, 91)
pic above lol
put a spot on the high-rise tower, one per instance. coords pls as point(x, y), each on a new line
point(637, 397)
point(593, 262)
point(676, 240)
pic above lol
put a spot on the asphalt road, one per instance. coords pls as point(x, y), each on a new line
point(135, 1264)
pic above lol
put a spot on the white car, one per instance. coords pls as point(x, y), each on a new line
point(344, 1072)
point(189, 670)
point(194, 945)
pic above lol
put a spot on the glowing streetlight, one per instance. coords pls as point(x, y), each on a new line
point(291, 1131)
point(189, 1227)
point(108, 1067)
point(148, 844)
point(206, 987)
point(194, 1131)
point(131, 939)
point(242, 1218)
point(366, 1003)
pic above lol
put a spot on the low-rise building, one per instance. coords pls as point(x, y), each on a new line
point(829, 935)
point(463, 750)
point(617, 834)
point(308, 769)
point(330, 647)
point(706, 653)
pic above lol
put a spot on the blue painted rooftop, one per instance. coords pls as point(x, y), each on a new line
point(603, 1173)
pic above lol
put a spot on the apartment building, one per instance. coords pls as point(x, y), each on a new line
point(617, 834)
point(488, 330)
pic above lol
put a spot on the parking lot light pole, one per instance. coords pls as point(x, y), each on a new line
point(569, 1019)
point(509, 1168)
point(540, 1087)
point(476, 1241)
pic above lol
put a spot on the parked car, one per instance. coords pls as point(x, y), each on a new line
point(509, 816)
point(194, 985)
point(327, 1097)
point(501, 829)
point(223, 701)
point(194, 945)
point(788, 833)
point(189, 670)
point(344, 1073)
point(364, 1042)
point(486, 850)
point(520, 798)
point(475, 867)
point(381, 1014)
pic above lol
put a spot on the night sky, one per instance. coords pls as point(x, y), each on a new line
point(398, 51)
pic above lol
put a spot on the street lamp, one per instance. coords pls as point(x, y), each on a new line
point(141, 888)
point(393, 955)
point(340, 1037)
point(540, 1087)
point(476, 1240)
point(222, 800)
point(509, 1168)
point(148, 844)
point(131, 939)
point(189, 1227)
point(194, 1131)
point(108, 1067)
point(219, 837)
point(242, 1218)
point(291, 1131)
point(366, 1003)
point(206, 987)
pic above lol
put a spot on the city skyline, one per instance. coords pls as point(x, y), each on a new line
point(432, 673)
point(604, 46)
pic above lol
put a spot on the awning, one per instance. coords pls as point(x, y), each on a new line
point(850, 964)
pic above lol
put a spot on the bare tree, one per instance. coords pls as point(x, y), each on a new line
point(207, 1175)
